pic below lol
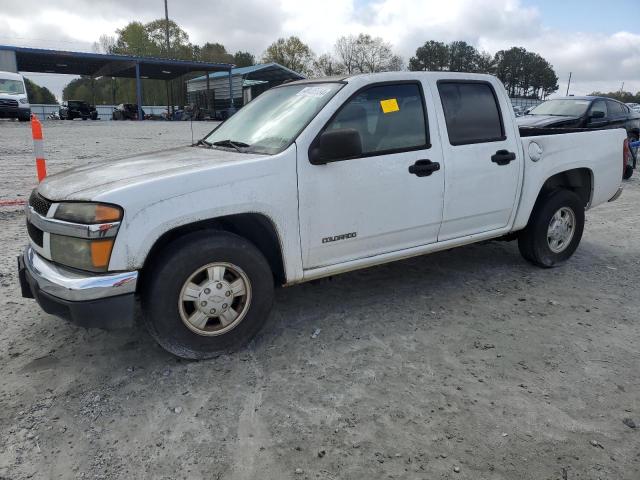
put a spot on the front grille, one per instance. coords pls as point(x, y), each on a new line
point(35, 234)
point(5, 102)
point(39, 203)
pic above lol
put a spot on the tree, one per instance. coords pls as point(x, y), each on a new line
point(432, 56)
point(347, 51)
point(291, 53)
point(244, 59)
point(134, 39)
point(38, 94)
point(525, 73)
point(326, 66)
point(215, 53)
point(485, 63)
point(179, 46)
point(462, 57)
point(366, 54)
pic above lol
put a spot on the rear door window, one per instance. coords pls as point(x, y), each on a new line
point(471, 112)
point(599, 106)
point(389, 118)
point(615, 109)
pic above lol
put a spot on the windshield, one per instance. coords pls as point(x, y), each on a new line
point(11, 86)
point(573, 108)
point(271, 122)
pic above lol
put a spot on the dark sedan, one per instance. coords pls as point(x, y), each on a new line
point(584, 112)
point(71, 109)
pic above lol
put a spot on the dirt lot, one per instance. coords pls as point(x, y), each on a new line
point(482, 367)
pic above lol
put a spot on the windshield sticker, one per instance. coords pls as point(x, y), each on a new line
point(390, 105)
point(316, 92)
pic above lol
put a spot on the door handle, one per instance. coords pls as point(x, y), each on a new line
point(503, 157)
point(424, 168)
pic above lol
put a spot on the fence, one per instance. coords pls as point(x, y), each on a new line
point(104, 111)
point(525, 102)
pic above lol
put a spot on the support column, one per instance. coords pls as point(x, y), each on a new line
point(232, 108)
point(207, 90)
point(139, 91)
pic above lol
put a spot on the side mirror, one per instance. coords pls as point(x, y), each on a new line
point(333, 145)
point(596, 115)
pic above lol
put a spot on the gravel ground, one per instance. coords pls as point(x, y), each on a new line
point(483, 367)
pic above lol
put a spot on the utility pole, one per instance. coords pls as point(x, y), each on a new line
point(569, 84)
point(168, 46)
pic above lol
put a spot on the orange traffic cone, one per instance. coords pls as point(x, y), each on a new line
point(38, 146)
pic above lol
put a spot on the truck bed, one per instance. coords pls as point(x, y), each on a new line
point(538, 131)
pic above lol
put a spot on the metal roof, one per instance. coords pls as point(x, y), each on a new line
point(98, 65)
point(262, 71)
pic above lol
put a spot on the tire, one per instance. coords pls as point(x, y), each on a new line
point(24, 117)
point(534, 241)
point(165, 285)
point(628, 172)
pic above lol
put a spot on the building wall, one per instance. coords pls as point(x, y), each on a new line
point(8, 61)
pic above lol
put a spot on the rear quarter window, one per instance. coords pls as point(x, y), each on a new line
point(471, 112)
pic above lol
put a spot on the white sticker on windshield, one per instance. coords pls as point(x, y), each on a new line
point(316, 92)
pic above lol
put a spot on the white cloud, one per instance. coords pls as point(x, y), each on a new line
point(597, 60)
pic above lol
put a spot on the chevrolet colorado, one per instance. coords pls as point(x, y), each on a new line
point(311, 179)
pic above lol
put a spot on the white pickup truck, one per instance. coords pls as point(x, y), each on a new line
point(311, 179)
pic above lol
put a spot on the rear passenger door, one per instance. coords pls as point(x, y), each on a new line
point(482, 158)
point(617, 114)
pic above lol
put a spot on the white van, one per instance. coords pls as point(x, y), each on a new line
point(13, 97)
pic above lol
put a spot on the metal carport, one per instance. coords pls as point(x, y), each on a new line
point(25, 59)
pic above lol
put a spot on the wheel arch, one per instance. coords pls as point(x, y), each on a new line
point(578, 180)
point(255, 227)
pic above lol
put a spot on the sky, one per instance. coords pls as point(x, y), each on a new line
point(598, 41)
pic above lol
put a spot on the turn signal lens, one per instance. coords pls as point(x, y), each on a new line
point(107, 213)
point(87, 213)
point(101, 252)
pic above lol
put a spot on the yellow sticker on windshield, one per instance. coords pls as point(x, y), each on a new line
point(390, 105)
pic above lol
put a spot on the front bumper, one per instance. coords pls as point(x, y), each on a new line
point(89, 300)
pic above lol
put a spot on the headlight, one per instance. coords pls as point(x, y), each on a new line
point(23, 100)
point(84, 251)
point(81, 253)
point(88, 213)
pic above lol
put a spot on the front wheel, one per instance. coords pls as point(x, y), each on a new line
point(554, 229)
point(207, 293)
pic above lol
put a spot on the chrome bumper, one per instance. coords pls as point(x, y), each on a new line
point(73, 286)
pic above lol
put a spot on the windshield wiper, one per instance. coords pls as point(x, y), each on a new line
point(202, 141)
point(233, 144)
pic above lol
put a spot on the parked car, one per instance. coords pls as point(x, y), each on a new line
point(13, 97)
point(634, 106)
point(587, 112)
point(126, 111)
point(311, 179)
point(519, 110)
point(70, 109)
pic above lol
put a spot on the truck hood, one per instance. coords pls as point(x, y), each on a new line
point(89, 181)
point(547, 121)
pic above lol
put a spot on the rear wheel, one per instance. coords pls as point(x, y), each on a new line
point(207, 293)
point(554, 229)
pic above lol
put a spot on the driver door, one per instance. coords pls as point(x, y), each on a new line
point(372, 204)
